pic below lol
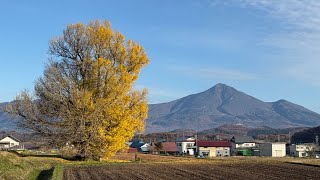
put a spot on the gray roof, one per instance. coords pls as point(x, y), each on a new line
point(14, 138)
point(242, 139)
point(137, 144)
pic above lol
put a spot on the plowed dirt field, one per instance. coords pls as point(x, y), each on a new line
point(195, 170)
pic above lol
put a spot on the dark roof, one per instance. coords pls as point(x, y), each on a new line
point(242, 139)
point(12, 138)
point(137, 144)
point(185, 140)
point(202, 143)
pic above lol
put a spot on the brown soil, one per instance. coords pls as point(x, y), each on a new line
point(194, 170)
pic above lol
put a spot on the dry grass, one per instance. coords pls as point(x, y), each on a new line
point(149, 158)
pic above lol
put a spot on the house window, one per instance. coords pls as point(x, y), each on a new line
point(189, 144)
point(12, 144)
point(205, 154)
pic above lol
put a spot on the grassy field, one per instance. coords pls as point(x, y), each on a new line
point(125, 166)
point(15, 167)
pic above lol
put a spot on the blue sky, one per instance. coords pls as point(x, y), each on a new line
point(269, 49)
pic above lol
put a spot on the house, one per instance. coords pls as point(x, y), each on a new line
point(186, 145)
point(140, 145)
point(168, 148)
point(243, 142)
point(10, 142)
point(213, 148)
point(273, 149)
point(302, 150)
point(242, 145)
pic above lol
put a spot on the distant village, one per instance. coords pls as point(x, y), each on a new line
point(236, 146)
point(192, 146)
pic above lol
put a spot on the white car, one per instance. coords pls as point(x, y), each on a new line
point(317, 156)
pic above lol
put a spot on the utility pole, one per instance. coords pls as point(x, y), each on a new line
point(197, 141)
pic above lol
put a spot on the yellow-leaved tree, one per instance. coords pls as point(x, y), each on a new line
point(85, 98)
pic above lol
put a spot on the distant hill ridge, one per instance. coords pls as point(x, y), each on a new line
point(223, 104)
point(7, 123)
point(311, 135)
point(212, 108)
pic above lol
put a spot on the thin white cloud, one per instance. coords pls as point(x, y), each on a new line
point(302, 14)
point(215, 73)
point(301, 43)
point(298, 39)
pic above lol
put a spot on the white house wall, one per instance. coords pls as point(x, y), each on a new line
point(272, 149)
point(185, 146)
point(12, 142)
point(245, 145)
point(278, 150)
point(145, 148)
point(299, 150)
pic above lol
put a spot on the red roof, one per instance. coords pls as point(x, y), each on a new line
point(132, 150)
point(169, 147)
point(202, 143)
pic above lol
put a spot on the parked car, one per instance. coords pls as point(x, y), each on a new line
point(201, 157)
point(317, 156)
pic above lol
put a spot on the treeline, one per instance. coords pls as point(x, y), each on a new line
point(306, 136)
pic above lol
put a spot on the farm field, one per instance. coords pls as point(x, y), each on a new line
point(147, 166)
point(195, 170)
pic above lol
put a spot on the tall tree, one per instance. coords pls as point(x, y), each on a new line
point(85, 97)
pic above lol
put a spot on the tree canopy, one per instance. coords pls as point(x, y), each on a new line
point(86, 97)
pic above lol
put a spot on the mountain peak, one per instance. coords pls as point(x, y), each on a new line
point(221, 87)
point(222, 104)
point(220, 84)
point(282, 101)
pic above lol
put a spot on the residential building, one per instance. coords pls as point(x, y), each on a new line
point(242, 145)
point(273, 149)
point(10, 142)
point(140, 145)
point(168, 148)
point(213, 148)
point(186, 146)
point(243, 142)
point(302, 150)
